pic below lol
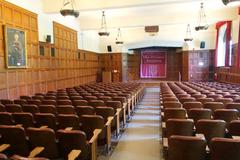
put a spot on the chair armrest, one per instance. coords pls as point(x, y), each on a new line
point(74, 154)
point(200, 136)
point(96, 132)
point(165, 142)
point(236, 137)
point(109, 121)
point(42, 127)
point(35, 152)
point(118, 111)
point(68, 128)
point(163, 124)
point(19, 125)
point(3, 147)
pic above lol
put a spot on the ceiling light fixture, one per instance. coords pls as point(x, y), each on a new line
point(103, 29)
point(119, 40)
point(231, 2)
point(188, 34)
point(68, 9)
point(202, 20)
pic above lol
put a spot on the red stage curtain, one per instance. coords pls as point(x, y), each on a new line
point(228, 39)
point(153, 63)
point(238, 53)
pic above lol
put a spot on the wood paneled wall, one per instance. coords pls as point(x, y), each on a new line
point(133, 64)
point(58, 65)
point(198, 65)
point(77, 66)
point(15, 82)
point(111, 62)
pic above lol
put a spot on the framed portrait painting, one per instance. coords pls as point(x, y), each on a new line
point(15, 47)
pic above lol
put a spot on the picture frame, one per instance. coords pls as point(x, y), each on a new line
point(15, 47)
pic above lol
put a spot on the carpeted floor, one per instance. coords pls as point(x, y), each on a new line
point(141, 140)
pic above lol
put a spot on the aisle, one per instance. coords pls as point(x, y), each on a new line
point(141, 139)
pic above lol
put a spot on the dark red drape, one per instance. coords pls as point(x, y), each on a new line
point(228, 39)
point(153, 63)
point(238, 52)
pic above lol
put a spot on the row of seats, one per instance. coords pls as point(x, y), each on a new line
point(197, 126)
point(90, 122)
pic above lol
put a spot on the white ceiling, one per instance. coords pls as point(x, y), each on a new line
point(139, 13)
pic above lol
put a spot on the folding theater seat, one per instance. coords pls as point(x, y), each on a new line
point(6, 101)
point(225, 101)
point(18, 145)
point(6, 118)
point(49, 102)
point(233, 105)
point(48, 109)
point(233, 96)
point(186, 148)
point(70, 121)
point(105, 98)
point(211, 128)
point(197, 96)
point(13, 108)
point(92, 122)
point(234, 128)
point(187, 99)
point(84, 110)
point(88, 98)
point(50, 97)
point(24, 119)
point(110, 94)
point(65, 109)
point(205, 100)
point(38, 97)
point(64, 102)
point(80, 103)
point(74, 140)
point(76, 97)
point(20, 101)
point(215, 96)
point(117, 107)
point(176, 113)
point(171, 104)
point(34, 101)
point(191, 105)
point(46, 120)
point(30, 108)
point(44, 137)
point(63, 97)
point(182, 127)
point(25, 97)
point(214, 105)
point(179, 96)
point(199, 113)
point(96, 103)
point(225, 149)
point(227, 115)
point(108, 114)
point(98, 94)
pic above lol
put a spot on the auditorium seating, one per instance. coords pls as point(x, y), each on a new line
point(214, 109)
point(93, 111)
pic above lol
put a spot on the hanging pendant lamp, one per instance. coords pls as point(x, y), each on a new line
point(119, 37)
point(68, 9)
point(202, 20)
point(188, 34)
point(231, 2)
point(103, 30)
